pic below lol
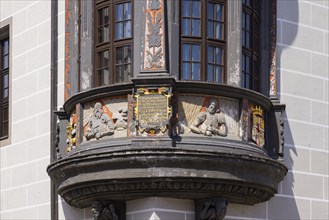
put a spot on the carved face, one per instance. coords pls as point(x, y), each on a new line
point(96, 209)
point(98, 112)
point(212, 107)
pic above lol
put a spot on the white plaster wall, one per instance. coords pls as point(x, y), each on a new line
point(156, 208)
point(303, 61)
point(25, 185)
point(303, 68)
point(302, 65)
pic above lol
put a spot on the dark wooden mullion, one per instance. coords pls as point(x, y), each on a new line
point(204, 36)
point(213, 41)
point(191, 60)
point(255, 69)
point(251, 33)
point(103, 46)
point(121, 44)
point(225, 22)
point(191, 19)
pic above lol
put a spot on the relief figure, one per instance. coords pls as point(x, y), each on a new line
point(211, 122)
point(100, 124)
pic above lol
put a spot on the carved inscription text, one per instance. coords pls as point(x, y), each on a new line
point(152, 109)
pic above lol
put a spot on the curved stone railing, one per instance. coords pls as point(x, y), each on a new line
point(175, 139)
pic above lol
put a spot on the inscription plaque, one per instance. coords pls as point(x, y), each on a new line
point(152, 112)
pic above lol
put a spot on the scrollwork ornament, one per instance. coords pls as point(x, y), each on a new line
point(212, 209)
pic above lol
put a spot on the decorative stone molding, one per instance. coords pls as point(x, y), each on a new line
point(154, 36)
point(168, 187)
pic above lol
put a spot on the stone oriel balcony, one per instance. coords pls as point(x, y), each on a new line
point(186, 140)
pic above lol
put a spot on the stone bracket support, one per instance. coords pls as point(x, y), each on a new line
point(211, 208)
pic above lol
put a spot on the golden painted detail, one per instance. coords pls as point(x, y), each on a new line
point(152, 111)
point(71, 130)
point(258, 126)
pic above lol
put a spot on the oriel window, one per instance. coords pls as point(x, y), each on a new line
point(113, 47)
point(250, 42)
point(203, 40)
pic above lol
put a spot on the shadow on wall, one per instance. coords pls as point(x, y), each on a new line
point(284, 205)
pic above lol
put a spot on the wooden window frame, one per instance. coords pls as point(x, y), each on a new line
point(4, 104)
point(253, 50)
point(113, 43)
point(204, 40)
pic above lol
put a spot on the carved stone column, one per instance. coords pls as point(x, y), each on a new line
point(210, 209)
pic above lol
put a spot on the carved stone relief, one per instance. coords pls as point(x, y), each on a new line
point(71, 130)
point(210, 116)
point(154, 35)
point(107, 117)
point(258, 125)
point(104, 211)
point(211, 122)
point(211, 209)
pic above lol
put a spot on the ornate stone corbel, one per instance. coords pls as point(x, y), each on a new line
point(61, 135)
point(104, 211)
point(277, 129)
point(211, 209)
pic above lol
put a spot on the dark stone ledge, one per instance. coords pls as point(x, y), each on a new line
point(140, 167)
